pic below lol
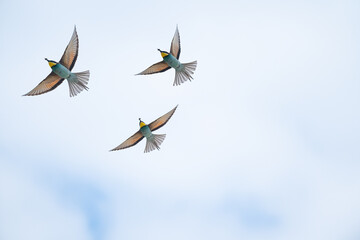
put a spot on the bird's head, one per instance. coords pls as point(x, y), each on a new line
point(141, 123)
point(51, 62)
point(163, 53)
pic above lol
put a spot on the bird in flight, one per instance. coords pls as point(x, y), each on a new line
point(62, 70)
point(152, 140)
point(183, 71)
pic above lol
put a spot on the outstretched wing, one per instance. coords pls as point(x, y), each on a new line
point(175, 44)
point(131, 141)
point(155, 68)
point(161, 121)
point(69, 57)
point(46, 85)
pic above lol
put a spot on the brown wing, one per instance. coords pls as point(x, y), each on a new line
point(161, 121)
point(175, 44)
point(155, 68)
point(131, 141)
point(69, 57)
point(46, 85)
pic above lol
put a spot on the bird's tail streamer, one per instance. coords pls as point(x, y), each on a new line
point(78, 81)
point(154, 142)
point(183, 74)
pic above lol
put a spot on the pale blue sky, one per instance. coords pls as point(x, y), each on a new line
point(263, 145)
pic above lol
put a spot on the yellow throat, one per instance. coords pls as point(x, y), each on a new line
point(142, 124)
point(164, 54)
point(51, 63)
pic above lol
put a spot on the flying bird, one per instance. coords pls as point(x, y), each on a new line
point(183, 71)
point(62, 70)
point(152, 140)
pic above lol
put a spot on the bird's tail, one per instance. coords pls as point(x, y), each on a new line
point(78, 81)
point(183, 74)
point(154, 141)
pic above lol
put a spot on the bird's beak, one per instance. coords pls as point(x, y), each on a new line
point(46, 59)
point(159, 50)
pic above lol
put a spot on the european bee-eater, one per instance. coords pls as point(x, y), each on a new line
point(62, 70)
point(152, 140)
point(183, 71)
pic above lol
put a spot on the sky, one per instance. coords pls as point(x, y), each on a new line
point(263, 145)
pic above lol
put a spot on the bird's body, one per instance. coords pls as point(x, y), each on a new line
point(152, 140)
point(77, 81)
point(183, 71)
point(62, 70)
point(173, 62)
point(145, 130)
